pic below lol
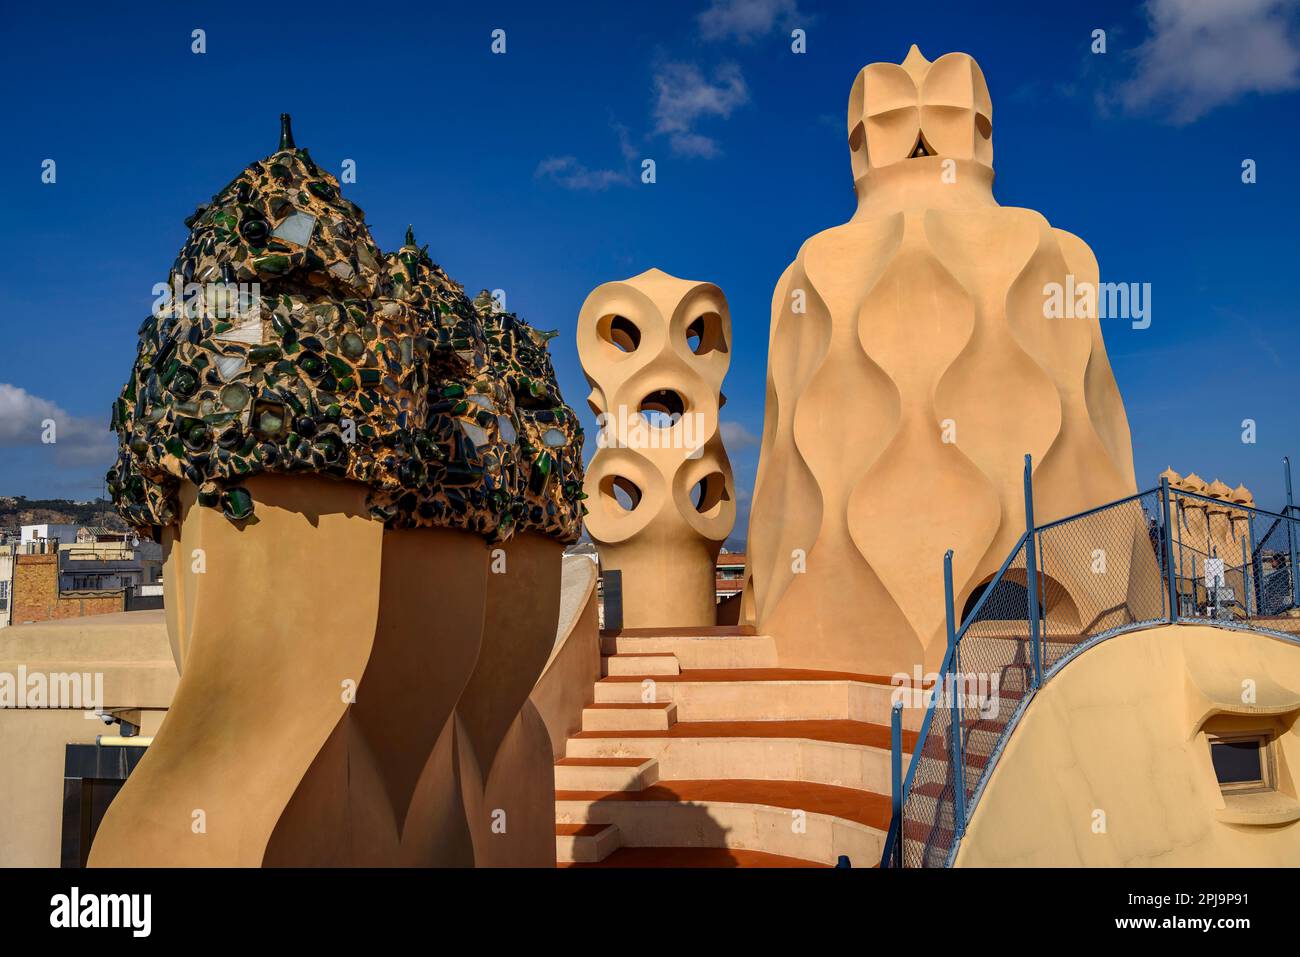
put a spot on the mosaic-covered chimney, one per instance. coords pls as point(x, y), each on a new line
point(332, 444)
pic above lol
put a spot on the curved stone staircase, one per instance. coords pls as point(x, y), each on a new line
point(699, 751)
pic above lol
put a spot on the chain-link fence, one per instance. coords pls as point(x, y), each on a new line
point(986, 675)
point(1235, 565)
point(1155, 557)
point(1101, 572)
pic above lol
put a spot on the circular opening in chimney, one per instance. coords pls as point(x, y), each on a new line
point(662, 408)
point(619, 493)
point(704, 334)
point(620, 332)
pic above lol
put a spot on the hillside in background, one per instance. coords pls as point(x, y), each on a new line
point(18, 510)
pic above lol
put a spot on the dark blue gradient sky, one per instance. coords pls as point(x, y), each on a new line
point(520, 172)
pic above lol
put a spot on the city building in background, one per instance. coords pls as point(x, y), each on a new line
point(50, 571)
point(730, 577)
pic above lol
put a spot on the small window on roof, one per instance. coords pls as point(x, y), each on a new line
point(1242, 762)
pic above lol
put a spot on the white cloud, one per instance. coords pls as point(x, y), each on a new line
point(735, 436)
point(78, 441)
point(684, 96)
point(625, 145)
point(694, 144)
point(1202, 55)
point(746, 20)
point(569, 173)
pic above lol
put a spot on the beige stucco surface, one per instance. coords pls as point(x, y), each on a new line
point(1110, 765)
point(398, 779)
point(567, 682)
point(266, 650)
point(382, 787)
point(131, 650)
point(505, 763)
point(911, 366)
point(667, 544)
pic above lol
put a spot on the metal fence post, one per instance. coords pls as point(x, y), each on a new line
point(896, 776)
point(1245, 578)
point(1171, 583)
point(1031, 573)
point(1291, 531)
point(958, 768)
point(1286, 476)
point(1255, 578)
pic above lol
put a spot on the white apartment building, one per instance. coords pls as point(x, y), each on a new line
point(66, 534)
point(6, 583)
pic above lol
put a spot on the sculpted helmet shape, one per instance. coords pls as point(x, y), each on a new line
point(917, 109)
point(922, 321)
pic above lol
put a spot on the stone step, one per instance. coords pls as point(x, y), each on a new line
point(585, 843)
point(933, 795)
point(632, 716)
point(981, 736)
point(850, 754)
point(723, 857)
point(762, 694)
point(699, 651)
point(605, 774)
point(640, 663)
point(812, 822)
point(928, 800)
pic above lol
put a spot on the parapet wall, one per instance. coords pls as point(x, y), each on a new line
point(1110, 765)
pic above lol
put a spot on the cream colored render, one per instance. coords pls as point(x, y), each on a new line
point(505, 764)
point(130, 649)
point(911, 366)
point(264, 651)
point(133, 653)
point(1120, 732)
point(634, 340)
point(566, 684)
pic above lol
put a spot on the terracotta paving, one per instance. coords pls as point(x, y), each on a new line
point(661, 705)
point(850, 804)
point(847, 804)
point(715, 631)
point(755, 674)
point(838, 731)
point(695, 857)
point(579, 830)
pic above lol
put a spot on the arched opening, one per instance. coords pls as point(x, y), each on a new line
point(620, 494)
point(1009, 601)
point(704, 334)
point(709, 492)
point(620, 332)
point(662, 408)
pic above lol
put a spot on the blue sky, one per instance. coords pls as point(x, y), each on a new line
point(521, 172)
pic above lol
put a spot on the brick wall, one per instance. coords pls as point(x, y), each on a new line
point(36, 595)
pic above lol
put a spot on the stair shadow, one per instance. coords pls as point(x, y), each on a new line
point(689, 818)
point(692, 820)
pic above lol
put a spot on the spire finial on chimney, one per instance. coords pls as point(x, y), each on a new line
point(286, 133)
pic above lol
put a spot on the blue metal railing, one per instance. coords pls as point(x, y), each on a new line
point(1020, 641)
